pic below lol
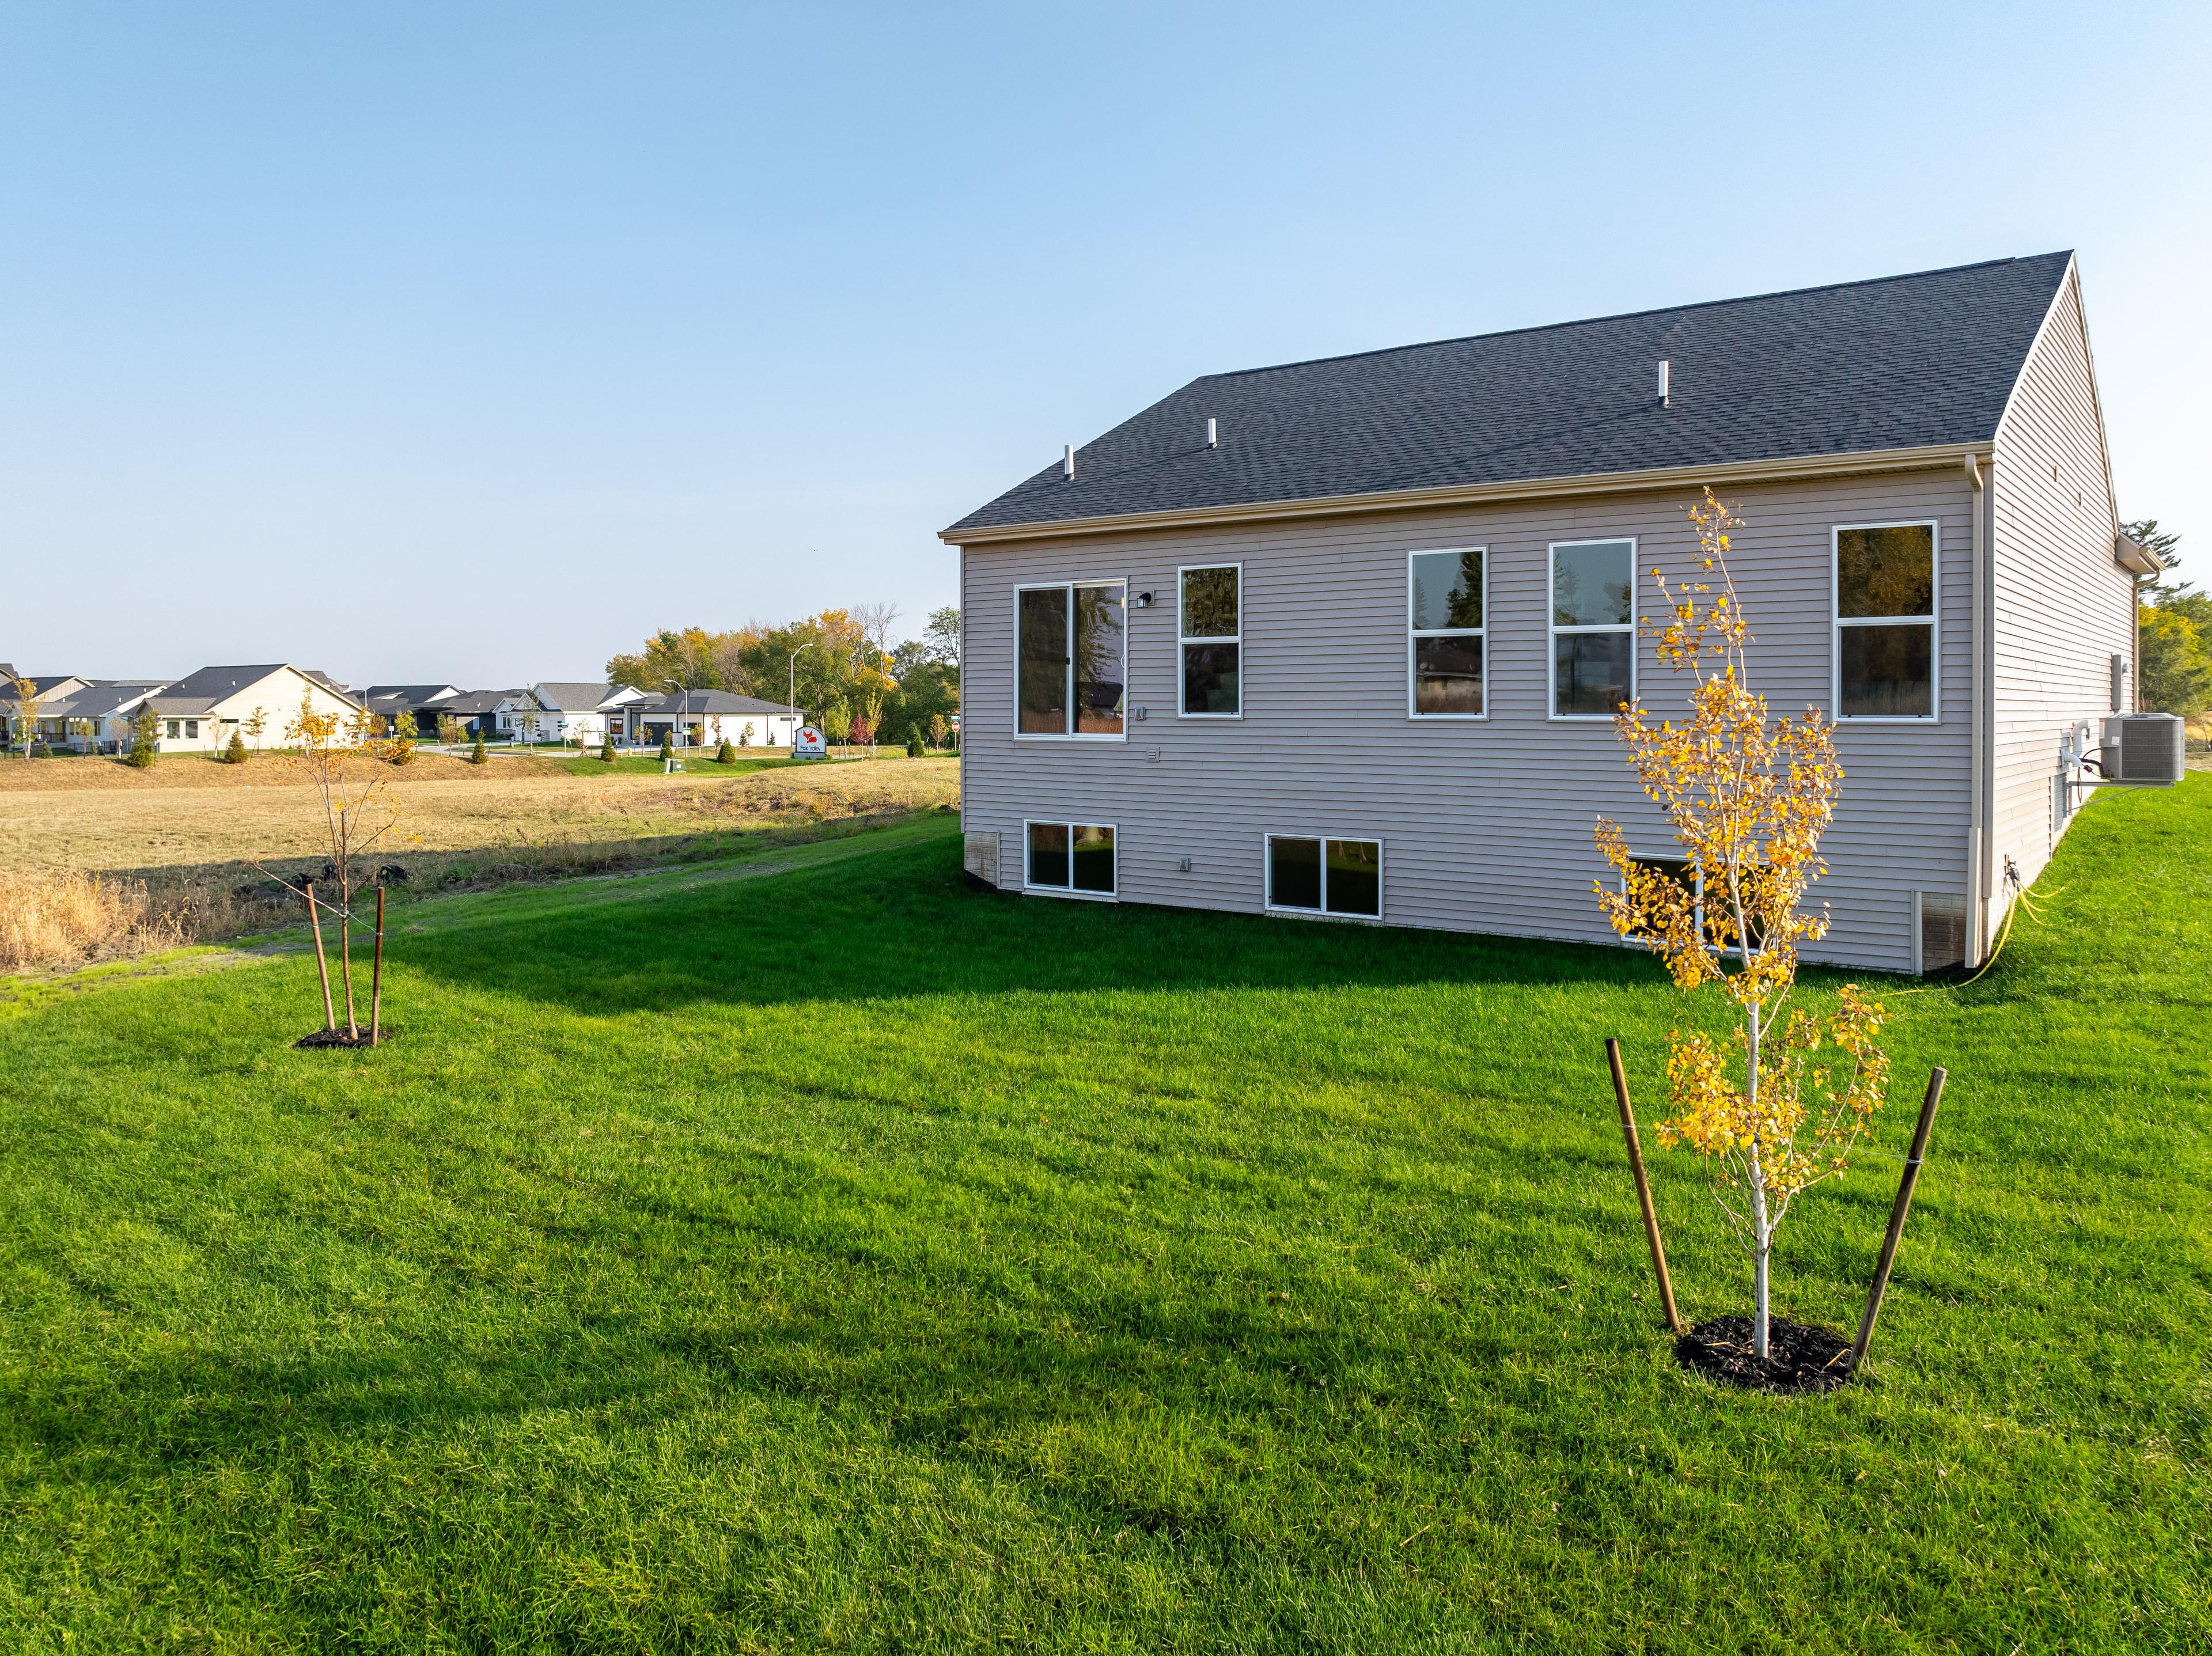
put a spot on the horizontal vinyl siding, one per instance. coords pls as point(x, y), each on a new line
point(1486, 826)
point(2062, 608)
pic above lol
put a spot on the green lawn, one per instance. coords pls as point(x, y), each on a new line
point(839, 1259)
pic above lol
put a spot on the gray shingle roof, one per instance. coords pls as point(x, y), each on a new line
point(560, 698)
point(1903, 362)
point(196, 693)
point(712, 702)
point(415, 696)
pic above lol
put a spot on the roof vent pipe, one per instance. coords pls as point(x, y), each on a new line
point(1663, 401)
point(1213, 434)
point(1067, 463)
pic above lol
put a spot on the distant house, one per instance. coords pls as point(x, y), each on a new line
point(96, 716)
point(67, 703)
point(477, 711)
point(560, 712)
point(202, 710)
point(1346, 637)
point(708, 718)
point(424, 703)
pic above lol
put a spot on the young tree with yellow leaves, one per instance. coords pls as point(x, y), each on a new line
point(1748, 797)
point(347, 765)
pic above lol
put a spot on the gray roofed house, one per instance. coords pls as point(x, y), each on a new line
point(107, 704)
point(1344, 637)
point(711, 716)
point(202, 710)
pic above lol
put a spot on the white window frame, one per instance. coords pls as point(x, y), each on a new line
point(1070, 734)
point(1324, 913)
point(1933, 621)
point(1237, 639)
point(1071, 824)
point(1414, 634)
point(1552, 630)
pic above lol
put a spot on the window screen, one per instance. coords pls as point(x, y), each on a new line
point(1444, 605)
point(1885, 640)
point(1210, 609)
point(1593, 628)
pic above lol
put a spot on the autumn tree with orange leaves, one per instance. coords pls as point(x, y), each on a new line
point(1774, 1109)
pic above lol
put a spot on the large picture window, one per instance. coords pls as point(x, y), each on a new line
point(1210, 609)
point(1069, 659)
point(1885, 643)
point(1321, 876)
point(1593, 627)
point(1076, 858)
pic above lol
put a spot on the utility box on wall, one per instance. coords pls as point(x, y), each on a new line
point(2143, 748)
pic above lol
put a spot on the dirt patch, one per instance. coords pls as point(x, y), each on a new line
point(1800, 1357)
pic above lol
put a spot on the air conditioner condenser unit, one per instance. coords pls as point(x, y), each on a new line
point(2142, 749)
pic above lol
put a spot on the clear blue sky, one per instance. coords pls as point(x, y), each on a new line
point(519, 330)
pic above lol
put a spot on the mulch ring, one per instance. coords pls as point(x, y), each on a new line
point(340, 1038)
point(1799, 1358)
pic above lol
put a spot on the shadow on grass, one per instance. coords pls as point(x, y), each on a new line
point(904, 922)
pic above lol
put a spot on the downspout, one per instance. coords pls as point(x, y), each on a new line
point(1980, 824)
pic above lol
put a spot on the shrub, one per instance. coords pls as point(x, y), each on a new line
point(914, 747)
point(726, 754)
point(235, 753)
point(145, 738)
point(477, 755)
point(667, 746)
point(607, 749)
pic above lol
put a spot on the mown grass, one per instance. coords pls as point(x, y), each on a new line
point(846, 1260)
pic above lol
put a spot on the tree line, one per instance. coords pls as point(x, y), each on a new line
point(2175, 630)
point(847, 668)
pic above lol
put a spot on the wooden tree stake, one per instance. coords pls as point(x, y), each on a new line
point(1643, 1183)
point(1911, 1177)
point(376, 975)
point(322, 962)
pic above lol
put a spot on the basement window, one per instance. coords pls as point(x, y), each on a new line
point(1885, 621)
point(1072, 859)
point(1323, 876)
point(1210, 641)
point(1445, 620)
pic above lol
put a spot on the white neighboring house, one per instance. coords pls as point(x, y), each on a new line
point(708, 718)
point(198, 713)
point(560, 712)
point(95, 716)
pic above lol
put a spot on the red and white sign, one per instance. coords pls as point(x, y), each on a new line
point(809, 744)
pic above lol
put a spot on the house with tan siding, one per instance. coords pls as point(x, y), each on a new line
point(1343, 638)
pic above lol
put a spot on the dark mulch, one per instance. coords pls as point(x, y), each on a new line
point(340, 1038)
point(1799, 1358)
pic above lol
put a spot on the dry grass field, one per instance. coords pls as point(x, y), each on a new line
point(176, 844)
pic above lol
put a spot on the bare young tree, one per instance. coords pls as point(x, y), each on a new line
point(875, 621)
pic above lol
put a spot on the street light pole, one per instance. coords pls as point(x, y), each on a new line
point(790, 694)
point(675, 718)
